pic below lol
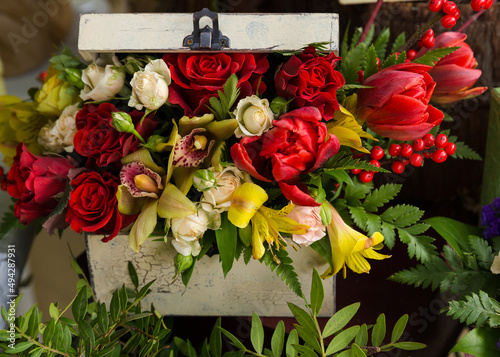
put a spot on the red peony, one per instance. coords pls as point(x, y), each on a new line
point(99, 141)
point(93, 206)
point(298, 143)
point(197, 77)
point(311, 80)
point(35, 182)
point(397, 106)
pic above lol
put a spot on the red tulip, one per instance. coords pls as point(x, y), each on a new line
point(454, 74)
point(397, 105)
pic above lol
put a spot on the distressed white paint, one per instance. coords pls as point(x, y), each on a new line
point(246, 289)
point(164, 32)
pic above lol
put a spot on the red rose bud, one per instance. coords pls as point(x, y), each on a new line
point(454, 74)
point(397, 106)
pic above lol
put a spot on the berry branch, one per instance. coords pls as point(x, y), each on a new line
point(368, 25)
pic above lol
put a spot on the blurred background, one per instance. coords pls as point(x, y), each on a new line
point(32, 30)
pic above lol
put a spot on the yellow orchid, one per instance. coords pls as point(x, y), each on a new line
point(345, 127)
point(247, 206)
point(351, 248)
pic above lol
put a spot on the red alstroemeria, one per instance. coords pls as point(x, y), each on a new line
point(454, 74)
point(298, 143)
point(397, 105)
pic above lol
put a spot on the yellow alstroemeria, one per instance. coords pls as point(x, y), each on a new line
point(351, 248)
point(345, 127)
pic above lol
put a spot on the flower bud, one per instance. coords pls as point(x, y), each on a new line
point(279, 106)
point(204, 180)
point(123, 122)
point(74, 76)
point(132, 65)
point(182, 263)
point(146, 183)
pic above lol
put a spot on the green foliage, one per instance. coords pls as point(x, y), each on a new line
point(279, 261)
point(461, 275)
point(9, 222)
point(400, 40)
point(227, 239)
point(123, 329)
point(476, 310)
point(403, 221)
point(463, 151)
point(371, 66)
point(480, 342)
point(345, 340)
point(221, 107)
point(433, 56)
point(381, 42)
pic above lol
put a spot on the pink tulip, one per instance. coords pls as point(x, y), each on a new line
point(397, 105)
point(454, 74)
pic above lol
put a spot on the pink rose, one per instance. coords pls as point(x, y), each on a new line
point(310, 216)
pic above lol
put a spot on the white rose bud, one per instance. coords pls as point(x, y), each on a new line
point(309, 215)
point(204, 180)
point(102, 83)
point(187, 231)
point(58, 136)
point(254, 116)
point(220, 195)
point(150, 87)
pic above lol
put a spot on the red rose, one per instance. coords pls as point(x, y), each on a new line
point(397, 106)
point(35, 181)
point(297, 144)
point(99, 141)
point(197, 77)
point(311, 80)
point(93, 206)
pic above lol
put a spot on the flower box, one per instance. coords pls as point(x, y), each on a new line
point(246, 288)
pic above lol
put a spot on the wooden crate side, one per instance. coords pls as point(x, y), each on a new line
point(101, 33)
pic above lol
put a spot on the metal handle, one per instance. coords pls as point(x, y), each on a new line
point(208, 38)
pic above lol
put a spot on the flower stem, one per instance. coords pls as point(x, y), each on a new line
point(421, 30)
point(369, 24)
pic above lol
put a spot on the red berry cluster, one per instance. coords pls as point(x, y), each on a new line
point(428, 147)
point(376, 154)
point(478, 5)
point(3, 179)
point(450, 10)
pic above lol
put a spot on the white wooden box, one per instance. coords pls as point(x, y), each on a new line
point(247, 288)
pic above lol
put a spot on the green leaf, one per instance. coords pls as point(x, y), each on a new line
point(76, 268)
point(340, 319)
point(278, 339)
point(463, 151)
point(410, 346)
point(284, 268)
point(356, 192)
point(293, 339)
point(433, 56)
point(215, 344)
point(362, 336)
point(399, 328)
point(304, 319)
point(227, 238)
point(389, 234)
point(356, 351)
point(379, 331)
point(359, 216)
point(133, 274)
point(454, 232)
point(381, 42)
point(143, 292)
point(373, 223)
point(342, 340)
point(420, 247)
point(19, 347)
point(114, 307)
point(390, 61)
point(79, 307)
point(237, 343)
point(317, 293)
point(380, 196)
point(431, 274)
point(308, 337)
point(340, 175)
point(351, 64)
point(53, 311)
point(400, 41)
point(257, 334)
point(476, 310)
point(402, 215)
point(305, 351)
point(482, 251)
point(86, 333)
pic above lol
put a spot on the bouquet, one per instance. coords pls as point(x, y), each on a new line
point(242, 154)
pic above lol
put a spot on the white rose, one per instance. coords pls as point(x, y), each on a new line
point(254, 116)
point(187, 231)
point(309, 215)
point(150, 87)
point(58, 136)
point(227, 181)
point(102, 83)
